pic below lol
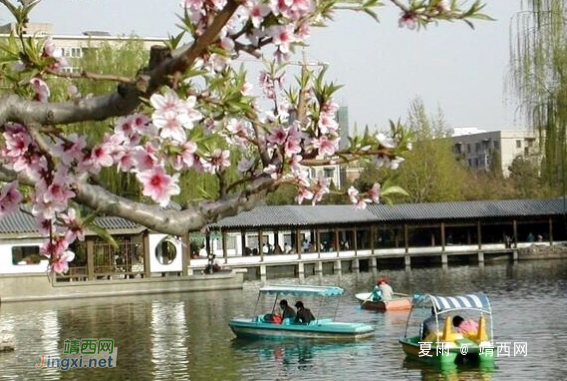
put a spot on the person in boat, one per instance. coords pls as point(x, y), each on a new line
point(429, 325)
point(385, 289)
point(466, 327)
point(287, 311)
point(275, 317)
point(303, 315)
point(382, 291)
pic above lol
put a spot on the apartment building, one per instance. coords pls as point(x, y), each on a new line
point(74, 46)
point(484, 150)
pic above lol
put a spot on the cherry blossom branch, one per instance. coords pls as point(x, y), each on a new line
point(92, 76)
point(128, 96)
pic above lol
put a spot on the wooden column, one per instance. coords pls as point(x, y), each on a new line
point(146, 248)
point(297, 243)
point(185, 254)
point(261, 245)
point(243, 243)
point(442, 236)
point(224, 252)
point(355, 241)
point(479, 232)
point(90, 259)
point(318, 242)
point(337, 243)
point(406, 238)
point(550, 231)
point(515, 230)
point(372, 238)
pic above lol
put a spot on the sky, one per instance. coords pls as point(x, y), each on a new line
point(382, 67)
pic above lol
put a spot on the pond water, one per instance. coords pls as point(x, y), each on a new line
point(186, 336)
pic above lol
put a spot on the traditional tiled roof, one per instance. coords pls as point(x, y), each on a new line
point(297, 215)
point(23, 224)
point(468, 210)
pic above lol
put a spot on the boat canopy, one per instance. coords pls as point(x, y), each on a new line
point(477, 301)
point(301, 290)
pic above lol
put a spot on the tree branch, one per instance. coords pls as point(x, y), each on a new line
point(127, 96)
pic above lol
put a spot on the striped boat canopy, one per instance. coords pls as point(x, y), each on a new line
point(302, 290)
point(477, 301)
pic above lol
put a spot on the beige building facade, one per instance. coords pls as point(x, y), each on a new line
point(74, 46)
point(485, 150)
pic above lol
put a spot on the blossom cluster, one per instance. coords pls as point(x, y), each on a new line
point(161, 139)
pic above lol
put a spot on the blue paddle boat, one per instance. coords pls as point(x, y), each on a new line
point(260, 327)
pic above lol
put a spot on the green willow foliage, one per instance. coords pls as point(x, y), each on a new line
point(538, 78)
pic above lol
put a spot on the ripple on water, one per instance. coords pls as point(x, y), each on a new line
point(186, 337)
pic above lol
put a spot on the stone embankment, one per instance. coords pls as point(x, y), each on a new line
point(536, 251)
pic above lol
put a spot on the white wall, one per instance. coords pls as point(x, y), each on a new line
point(6, 266)
point(155, 265)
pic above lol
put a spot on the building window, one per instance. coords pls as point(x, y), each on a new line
point(457, 148)
point(468, 148)
point(476, 162)
point(470, 162)
point(26, 255)
point(313, 173)
point(496, 145)
point(518, 144)
point(477, 147)
point(72, 52)
point(329, 172)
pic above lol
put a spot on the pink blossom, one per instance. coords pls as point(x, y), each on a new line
point(71, 149)
point(58, 192)
point(327, 124)
point(353, 194)
point(322, 187)
point(302, 194)
point(326, 146)
point(374, 193)
point(408, 20)
point(217, 161)
point(10, 198)
point(158, 185)
point(277, 136)
point(247, 89)
point(257, 12)
point(41, 89)
point(100, 156)
point(145, 157)
point(60, 263)
point(171, 125)
point(74, 226)
point(271, 170)
point(17, 143)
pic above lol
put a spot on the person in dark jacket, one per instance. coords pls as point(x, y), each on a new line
point(303, 315)
point(287, 311)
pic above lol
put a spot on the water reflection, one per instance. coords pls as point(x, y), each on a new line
point(300, 358)
point(186, 336)
point(450, 372)
point(168, 338)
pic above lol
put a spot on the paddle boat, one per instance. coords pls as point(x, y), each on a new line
point(446, 345)
point(258, 327)
point(399, 302)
